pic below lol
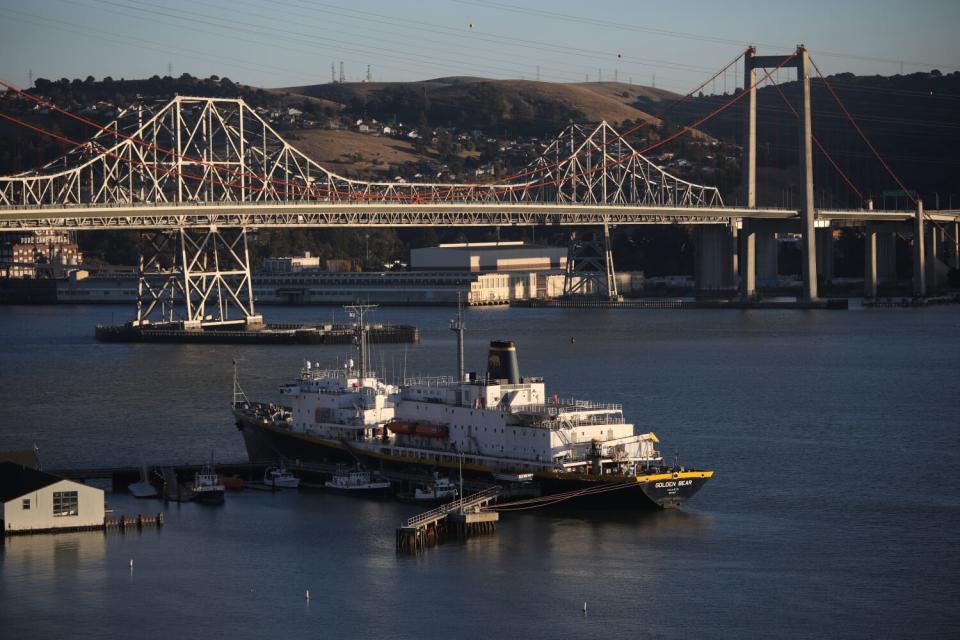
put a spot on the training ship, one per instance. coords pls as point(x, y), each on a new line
point(496, 426)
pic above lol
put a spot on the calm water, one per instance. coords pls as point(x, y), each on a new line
point(835, 510)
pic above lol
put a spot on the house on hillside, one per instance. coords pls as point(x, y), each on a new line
point(37, 502)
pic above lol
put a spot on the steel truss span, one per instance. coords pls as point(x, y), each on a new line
point(195, 151)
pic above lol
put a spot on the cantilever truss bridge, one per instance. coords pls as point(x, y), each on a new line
point(199, 172)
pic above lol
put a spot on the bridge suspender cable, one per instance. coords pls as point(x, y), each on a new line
point(876, 153)
point(817, 142)
point(863, 136)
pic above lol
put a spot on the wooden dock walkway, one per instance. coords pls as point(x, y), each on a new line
point(431, 527)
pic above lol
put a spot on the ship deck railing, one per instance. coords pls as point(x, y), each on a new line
point(430, 381)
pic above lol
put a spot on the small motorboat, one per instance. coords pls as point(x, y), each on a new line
point(207, 487)
point(441, 489)
point(280, 478)
point(357, 481)
point(144, 488)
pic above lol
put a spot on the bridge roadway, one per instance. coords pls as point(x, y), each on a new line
point(320, 214)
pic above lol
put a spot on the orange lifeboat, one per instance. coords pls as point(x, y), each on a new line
point(431, 430)
point(401, 427)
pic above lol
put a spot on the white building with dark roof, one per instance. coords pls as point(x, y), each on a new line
point(35, 502)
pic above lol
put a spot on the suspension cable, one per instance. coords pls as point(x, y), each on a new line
point(816, 141)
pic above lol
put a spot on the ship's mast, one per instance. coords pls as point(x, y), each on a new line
point(457, 326)
point(357, 311)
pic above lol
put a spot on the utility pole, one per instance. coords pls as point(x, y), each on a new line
point(343, 77)
point(333, 72)
point(369, 76)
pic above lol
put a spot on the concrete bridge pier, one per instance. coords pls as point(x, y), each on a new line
point(716, 257)
point(825, 254)
point(936, 250)
point(919, 254)
point(870, 279)
point(768, 262)
point(953, 244)
point(747, 260)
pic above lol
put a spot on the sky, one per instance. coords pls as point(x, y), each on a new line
point(674, 44)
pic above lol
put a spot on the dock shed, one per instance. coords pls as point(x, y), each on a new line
point(36, 502)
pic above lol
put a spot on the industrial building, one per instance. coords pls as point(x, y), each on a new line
point(37, 502)
point(487, 257)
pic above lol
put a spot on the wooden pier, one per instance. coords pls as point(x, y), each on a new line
point(124, 523)
point(464, 517)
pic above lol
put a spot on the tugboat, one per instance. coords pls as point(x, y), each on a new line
point(358, 482)
point(207, 487)
point(584, 453)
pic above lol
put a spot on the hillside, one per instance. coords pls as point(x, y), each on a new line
point(522, 106)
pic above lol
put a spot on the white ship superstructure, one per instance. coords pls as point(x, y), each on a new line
point(515, 426)
point(338, 404)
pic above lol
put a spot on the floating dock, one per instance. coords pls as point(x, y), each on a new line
point(330, 334)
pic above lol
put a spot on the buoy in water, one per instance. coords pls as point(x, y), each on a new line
point(572, 340)
point(308, 594)
point(131, 563)
point(584, 608)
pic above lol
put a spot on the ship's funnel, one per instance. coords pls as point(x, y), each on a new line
point(502, 362)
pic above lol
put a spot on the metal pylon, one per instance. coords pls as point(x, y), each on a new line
point(198, 277)
point(590, 266)
point(158, 284)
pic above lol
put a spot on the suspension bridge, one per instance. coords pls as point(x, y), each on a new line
point(197, 174)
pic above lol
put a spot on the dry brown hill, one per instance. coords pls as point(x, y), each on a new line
point(610, 101)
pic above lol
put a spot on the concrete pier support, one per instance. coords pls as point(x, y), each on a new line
point(886, 256)
point(747, 260)
point(870, 261)
point(953, 244)
point(825, 254)
point(919, 254)
point(768, 262)
point(715, 268)
point(933, 249)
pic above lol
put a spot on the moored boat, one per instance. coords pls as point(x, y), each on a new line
point(280, 478)
point(358, 482)
point(143, 488)
point(206, 487)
